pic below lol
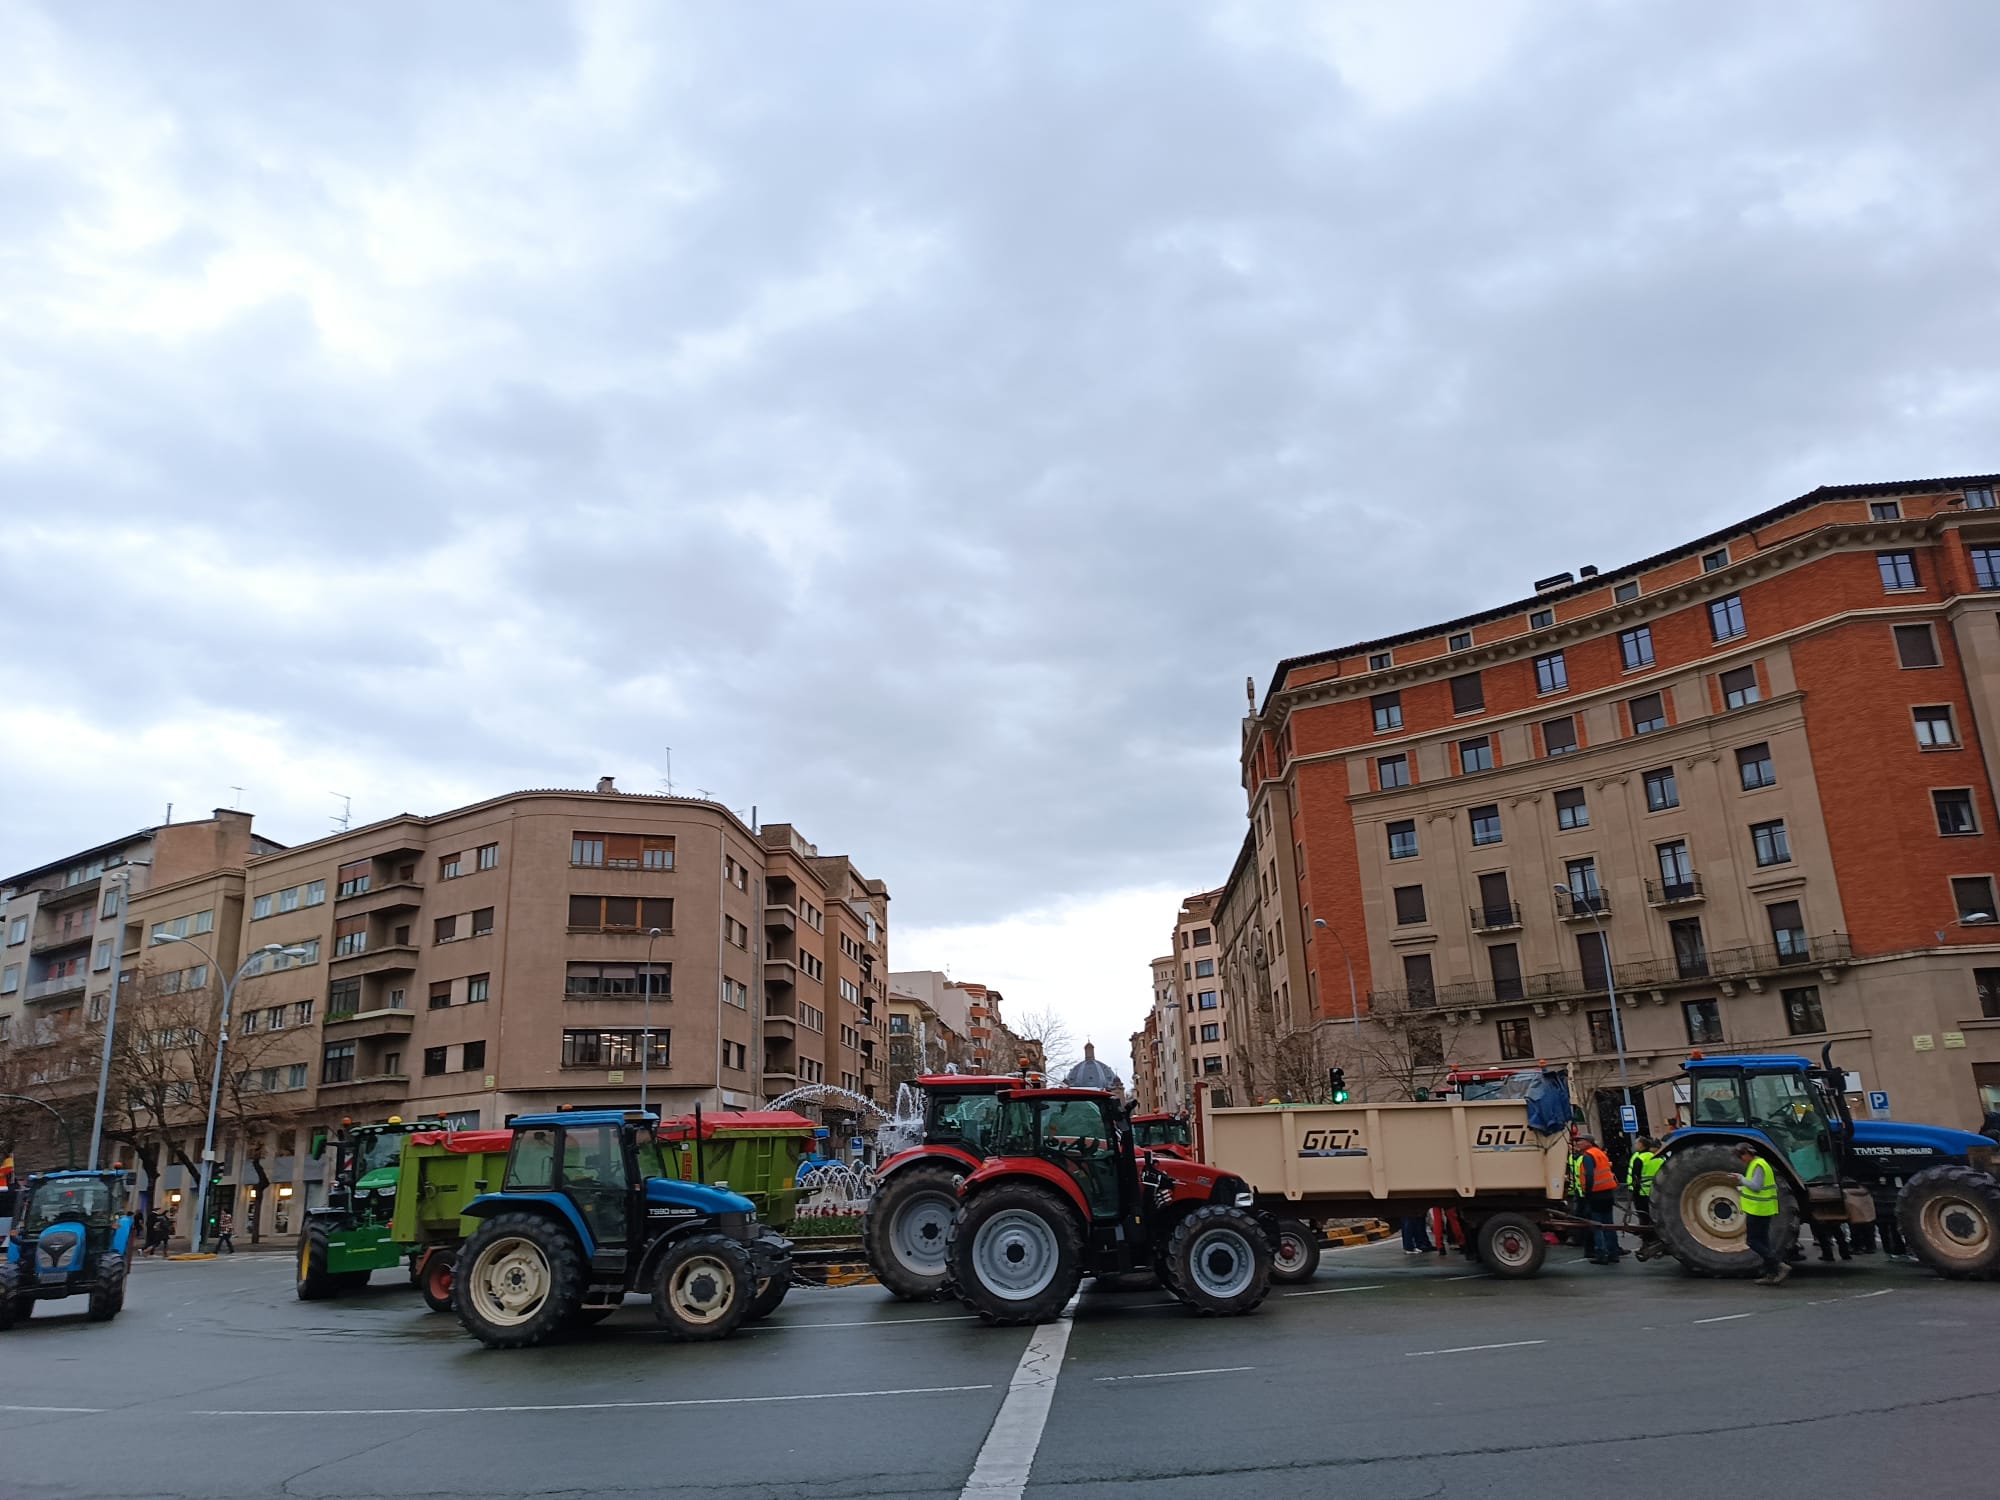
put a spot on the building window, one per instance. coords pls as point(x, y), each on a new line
point(10, 979)
point(1393, 771)
point(1603, 1033)
point(1475, 755)
point(1541, 619)
point(1585, 895)
point(1676, 870)
point(302, 1013)
point(1517, 1039)
point(1403, 839)
point(489, 859)
point(1803, 1016)
point(103, 959)
point(612, 1049)
point(1590, 957)
point(1972, 895)
point(1916, 646)
point(1388, 711)
point(1662, 792)
point(1496, 904)
point(1986, 567)
point(1381, 661)
point(1884, 510)
point(336, 1063)
point(1572, 811)
point(478, 988)
point(1461, 642)
point(1954, 811)
point(350, 936)
point(316, 893)
point(1559, 735)
point(482, 921)
point(1636, 646)
point(434, 1061)
point(473, 1059)
point(1468, 694)
point(259, 908)
point(1625, 593)
point(1772, 845)
point(1211, 1065)
point(1690, 950)
point(1485, 822)
point(1504, 960)
point(441, 994)
point(1711, 561)
point(1204, 968)
point(295, 1076)
point(1934, 726)
point(1788, 932)
point(1649, 712)
point(1754, 767)
point(587, 981)
point(620, 913)
point(1898, 570)
point(1207, 1000)
point(586, 851)
point(1987, 983)
point(354, 878)
point(288, 898)
point(450, 867)
point(1725, 618)
point(1739, 688)
point(1204, 936)
point(1979, 499)
point(445, 930)
point(1212, 1032)
point(1704, 1020)
point(1551, 673)
point(1409, 905)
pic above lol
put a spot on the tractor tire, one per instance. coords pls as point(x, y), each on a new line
point(770, 1293)
point(11, 1307)
point(354, 1281)
point(703, 1286)
point(108, 1296)
point(435, 1283)
point(1218, 1262)
point(517, 1280)
point(1015, 1254)
point(315, 1282)
point(1511, 1246)
point(1295, 1256)
point(903, 1232)
point(1950, 1218)
point(1699, 1219)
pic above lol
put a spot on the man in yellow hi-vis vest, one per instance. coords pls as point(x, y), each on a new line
point(1757, 1195)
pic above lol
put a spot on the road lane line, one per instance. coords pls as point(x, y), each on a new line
point(1472, 1348)
point(1725, 1318)
point(1475, 1276)
point(1008, 1454)
point(1176, 1374)
point(1883, 1293)
point(1328, 1291)
point(79, 1411)
point(454, 1411)
point(866, 1323)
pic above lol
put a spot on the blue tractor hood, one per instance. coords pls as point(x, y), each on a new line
point(58, 1249)
point(667, 1193)
point(1940, 1138)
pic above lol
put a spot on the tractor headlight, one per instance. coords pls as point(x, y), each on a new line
point(1246, 1200)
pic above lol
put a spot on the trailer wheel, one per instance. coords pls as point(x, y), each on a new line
point(435, 1282)
point(1218, 1262)
point(1700, 1219)
point(1015, 1254)
point(517, 1280)
point(315, 1283)
point(1950, 1217)
point(904, 1230)
point(703, 1288)
point(1295, 1257)
point(1511, 1246)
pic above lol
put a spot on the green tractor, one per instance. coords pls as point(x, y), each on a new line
point(349, 1238)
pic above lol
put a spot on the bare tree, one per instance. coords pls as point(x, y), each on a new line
point(1400, 1051)
point(1048, 1033)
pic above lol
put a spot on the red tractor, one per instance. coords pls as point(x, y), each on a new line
point(1066, 1193)
point(916, 1191)
point(1169, 1134)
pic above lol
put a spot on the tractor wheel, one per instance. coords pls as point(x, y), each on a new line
point(703, 1287)
point(905, 1227)
point(1015, 1253)
point(517, 1280)
point(1950, 1217)
point(11, 1307)
point(770, 1293)
point(435, 1282)
point(1699, 1218)
point(1295, 1257)
point(1511, 1246)
point(109, 1294)
point(314, 1281)
point(354, 1281)
point(1218, 1262)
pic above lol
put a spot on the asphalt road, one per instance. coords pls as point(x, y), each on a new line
point(1388, 1377)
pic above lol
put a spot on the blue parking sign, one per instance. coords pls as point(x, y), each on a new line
point(1878, 1101)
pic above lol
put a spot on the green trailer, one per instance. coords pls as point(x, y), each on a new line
point(752, 1152)
point(441, 1171)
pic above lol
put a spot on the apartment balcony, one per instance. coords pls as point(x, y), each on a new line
point(391, 895)
point(1503, 916)
point(389, 958)
point(780, 972)
point(58, 938)
point(382, 1021)
point(55, 989)
point(1582, 906)
point(1674, 892)
point(781, 1018)
point(779, 918)
point(386, 1086)
point(70, 894)
point(781, 1076)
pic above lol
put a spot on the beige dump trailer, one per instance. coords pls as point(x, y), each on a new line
point(1482, 1159)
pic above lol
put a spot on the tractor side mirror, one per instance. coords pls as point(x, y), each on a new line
point(479, 1184)
point(318, 1148)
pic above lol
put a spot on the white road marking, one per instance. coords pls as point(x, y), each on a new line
point(866, 1323)
point(1725, 1318)
point(1176, 1374)
point(1475, 1276)
point(1328, 1291)
point(81, 1411)
point(454, 1411)
point(1008, 1454)
point(1883, 1293)
point(1473, 1348)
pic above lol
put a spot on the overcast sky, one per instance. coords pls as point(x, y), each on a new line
point(921, 417)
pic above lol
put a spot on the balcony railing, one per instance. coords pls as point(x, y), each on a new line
point(48, 989)
point(1674, 892)
point(1497, 917)
point(1582, 906)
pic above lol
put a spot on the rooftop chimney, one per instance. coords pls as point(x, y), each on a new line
point(1587, 571)
point(1554, 581)
point(607, 785)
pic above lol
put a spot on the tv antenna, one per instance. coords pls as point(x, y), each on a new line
point(237, 803)
point(669, 779)
point(346, 814)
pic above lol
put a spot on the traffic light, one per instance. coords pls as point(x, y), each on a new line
point(1336, 1079)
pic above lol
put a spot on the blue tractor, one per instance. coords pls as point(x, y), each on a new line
point(71, 1239)
point(588, 1211)
point(1939, 1184)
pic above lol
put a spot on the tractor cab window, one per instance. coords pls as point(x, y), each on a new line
point(1783, 1107)
point(593, 1157)
point(647, 1156)
point(376, 1149)
point(968, 1120)
point(1081, 1138)
point(1172, 1131)
point(1717, 1101)
point(531, 1164)
point(54, 1202)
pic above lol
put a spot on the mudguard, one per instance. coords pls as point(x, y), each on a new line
point(486, 1205)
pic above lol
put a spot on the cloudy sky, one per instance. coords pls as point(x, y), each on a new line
point(921, 417)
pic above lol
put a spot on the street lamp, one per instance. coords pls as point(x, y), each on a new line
point(1611, 984)
point(1970, 919)
point(124, 878)
point(255, 960)
point(1353, 1002)
point(646, 1035)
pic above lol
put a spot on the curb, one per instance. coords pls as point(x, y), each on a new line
point(833, 1273)
point(1367, 1232)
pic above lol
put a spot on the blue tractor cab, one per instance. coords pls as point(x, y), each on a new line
point(72, 1236)
point(587, 1211)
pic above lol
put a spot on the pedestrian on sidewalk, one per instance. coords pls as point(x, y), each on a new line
point(225, 1232)
point(1597, 1185)
point(1757, 1196)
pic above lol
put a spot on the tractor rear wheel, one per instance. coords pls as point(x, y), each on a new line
point(315, 1282)
point(703, 1287)
point(517, 1280)
point(1015, 1253)
point(108, 1296)
point(1950, 1217)
point(1218, 1261)
point(435, 1282)
point(1700, 1218)
point(1295, 1257)
point(1511, 1246)
point(904, 1230)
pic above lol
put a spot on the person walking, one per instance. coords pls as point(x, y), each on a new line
point(1757, 1195)
point(1639, 1174)
point(225, 1232)
point(1597, 1185)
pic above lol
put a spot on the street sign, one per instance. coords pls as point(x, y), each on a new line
point(1878, 1101)
point(854, 1143)
point(1628, 1118)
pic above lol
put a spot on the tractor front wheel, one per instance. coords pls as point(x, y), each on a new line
point(904, 1230)
point(1699, 1215)
point(703, 1288)
point(11, 1307)
point(434, 1281)
point(1218, 1262)
point(1296, 1255)
point(1950, 1217)
point(108, 1296)
point(517, 1280)
point(315, 1282)
point(1015, 1254)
